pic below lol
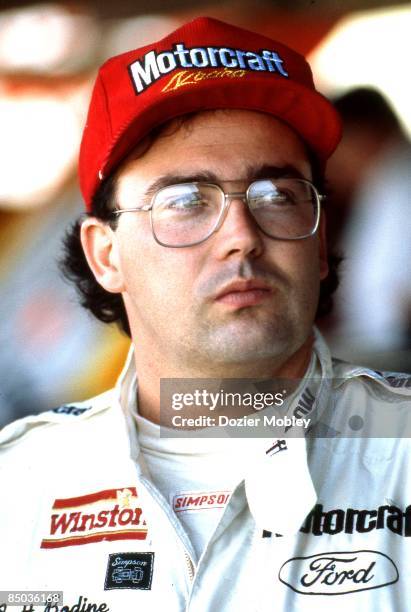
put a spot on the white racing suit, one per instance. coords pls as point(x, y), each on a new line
point(78, 513)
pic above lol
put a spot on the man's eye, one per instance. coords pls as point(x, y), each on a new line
point(185, 202)
point(273, 199)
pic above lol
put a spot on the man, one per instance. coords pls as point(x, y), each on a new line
point(198, 167)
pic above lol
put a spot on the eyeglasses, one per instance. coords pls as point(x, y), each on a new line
point(186, 214)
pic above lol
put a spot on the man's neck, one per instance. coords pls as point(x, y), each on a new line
point(150, 372)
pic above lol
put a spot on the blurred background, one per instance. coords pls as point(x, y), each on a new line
point(53, 352)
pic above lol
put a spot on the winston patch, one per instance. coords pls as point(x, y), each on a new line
point(113, 514)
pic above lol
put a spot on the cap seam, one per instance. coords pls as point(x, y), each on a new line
point(106, 105)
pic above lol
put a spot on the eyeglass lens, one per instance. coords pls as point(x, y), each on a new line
point(187, 213)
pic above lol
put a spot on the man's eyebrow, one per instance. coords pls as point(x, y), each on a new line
point(174, 179)
point(252, 172)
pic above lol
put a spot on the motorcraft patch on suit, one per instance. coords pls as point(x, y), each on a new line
point(112, 514)
point(339, 573)
point(353, 520)
point(129, 570)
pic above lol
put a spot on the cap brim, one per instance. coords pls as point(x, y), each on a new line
point(306, 111)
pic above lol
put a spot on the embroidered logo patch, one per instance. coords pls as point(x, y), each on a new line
point(152, 66)
point(339, 573)
point(129, 571)
point(191, 77)
point(73, 410)
point(358, 520)
point(200, 501)
point(113, 514)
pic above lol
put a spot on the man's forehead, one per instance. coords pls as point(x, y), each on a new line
point(205, 123)
point(212, 132)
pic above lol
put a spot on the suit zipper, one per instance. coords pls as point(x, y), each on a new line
point(189, 566)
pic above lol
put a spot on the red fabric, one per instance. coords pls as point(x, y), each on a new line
point(119, 115)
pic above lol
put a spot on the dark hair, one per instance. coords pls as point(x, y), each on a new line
point(105, 306)
point(109, 307)
point(365, 107)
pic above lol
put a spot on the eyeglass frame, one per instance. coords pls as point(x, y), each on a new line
point(241, 195)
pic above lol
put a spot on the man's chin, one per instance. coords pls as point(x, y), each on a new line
point(248, 344)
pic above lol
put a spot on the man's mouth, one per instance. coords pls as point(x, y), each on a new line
point(244, 293)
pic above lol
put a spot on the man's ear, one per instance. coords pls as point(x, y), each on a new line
point(101, 250)
point(322, 234)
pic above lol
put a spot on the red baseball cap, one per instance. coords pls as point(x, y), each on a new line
point(205, 64)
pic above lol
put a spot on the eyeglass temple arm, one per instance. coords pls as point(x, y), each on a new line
point(145, 208)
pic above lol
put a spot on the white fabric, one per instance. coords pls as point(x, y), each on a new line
point(195, 476)
point(278, 482)
point(200, 474)
point(76, 497)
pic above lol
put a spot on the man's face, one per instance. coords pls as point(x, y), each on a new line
point(182, 306)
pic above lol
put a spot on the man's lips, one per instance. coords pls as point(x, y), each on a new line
point(242, 293)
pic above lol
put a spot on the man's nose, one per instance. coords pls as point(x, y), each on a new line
point(238, 232)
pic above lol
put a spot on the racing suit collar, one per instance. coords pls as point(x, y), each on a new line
point(273, 484)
